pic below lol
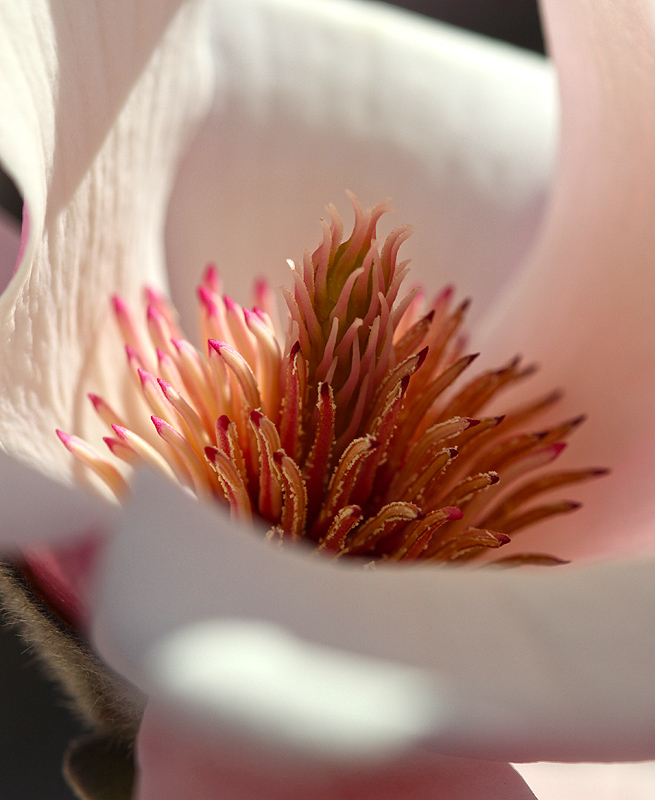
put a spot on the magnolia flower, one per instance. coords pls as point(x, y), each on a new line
point(269, 673)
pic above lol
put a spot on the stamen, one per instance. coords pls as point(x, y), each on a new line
point(94, 461)
point(242, 372)
point(142, 450)
point(105, 411)
point(199, 476)
point(358, 432)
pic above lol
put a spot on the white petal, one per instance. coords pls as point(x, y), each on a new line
point(316, 98)
point(35, 509)
point(584, 308)
point(591, 781)
point(96, 103)
point(522, 665)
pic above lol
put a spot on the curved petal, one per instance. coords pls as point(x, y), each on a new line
point(316, 98)
point(35, 509)
point(176, 764)
point(96, 104)
point(591, 781)
point(520, 665)
point(583, 307)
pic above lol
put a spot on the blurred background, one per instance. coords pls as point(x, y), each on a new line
point(35, 726)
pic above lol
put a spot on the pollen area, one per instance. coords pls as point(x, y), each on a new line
point(356, 430)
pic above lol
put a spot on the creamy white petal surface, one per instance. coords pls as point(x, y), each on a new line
point(527, 664)
point(314, 98)
point(91, 135)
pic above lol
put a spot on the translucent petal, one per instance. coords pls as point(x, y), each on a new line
point(583, 307)
point(519, 665)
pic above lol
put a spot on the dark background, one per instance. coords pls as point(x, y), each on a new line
point(35, 726)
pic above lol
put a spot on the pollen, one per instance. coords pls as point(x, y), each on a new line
point(355, 430)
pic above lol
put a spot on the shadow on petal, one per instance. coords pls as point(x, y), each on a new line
point(174, 764)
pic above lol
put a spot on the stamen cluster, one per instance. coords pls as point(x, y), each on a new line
point(348, 432)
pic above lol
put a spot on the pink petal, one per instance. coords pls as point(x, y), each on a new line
point(175, 764)
point(584, 306)
point(316, 98)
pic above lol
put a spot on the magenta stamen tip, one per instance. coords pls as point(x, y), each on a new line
point(153, 314)
point(158, 422)
point(120, 431)
point(206, 298)
point(217, 345)
point(120, 305)
point(453, 512)
point(211, 273)
point(64, 437)
point(210, 452)
point(152, 296)
point(145, 376)
point(471, 422)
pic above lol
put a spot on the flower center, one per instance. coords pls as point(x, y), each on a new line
point(352, 432)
